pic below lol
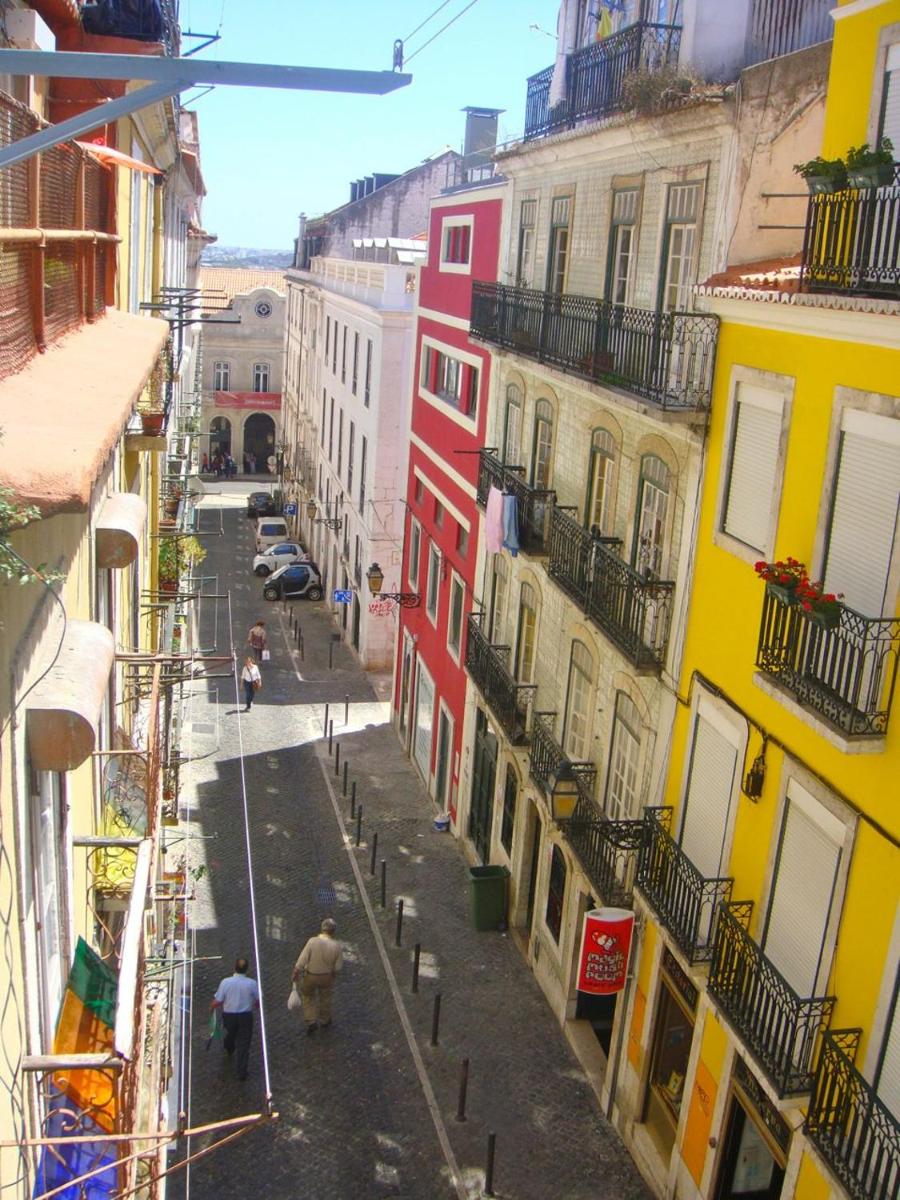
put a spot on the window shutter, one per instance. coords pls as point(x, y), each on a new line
point(803, 895)
point(864, 512)
point(708, 799)
point(889, 1079)
point(754, 469)
point(890, 118)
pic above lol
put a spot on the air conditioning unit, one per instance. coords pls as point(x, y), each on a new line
point(26, 31)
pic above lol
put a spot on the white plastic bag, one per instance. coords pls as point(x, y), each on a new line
point(266, 655)
point(294, 1002)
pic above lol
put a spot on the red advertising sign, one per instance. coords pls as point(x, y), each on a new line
point(248, 400)
point(605, 948)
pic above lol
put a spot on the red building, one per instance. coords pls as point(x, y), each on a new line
point(451, 382)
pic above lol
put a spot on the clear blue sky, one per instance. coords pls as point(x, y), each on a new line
point(268, 155)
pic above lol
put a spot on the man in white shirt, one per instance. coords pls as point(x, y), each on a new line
point(320, 960)
point(252, 681)
point(237, 996)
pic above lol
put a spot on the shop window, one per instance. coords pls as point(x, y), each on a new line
point(671, 1048)
point(756, 1143)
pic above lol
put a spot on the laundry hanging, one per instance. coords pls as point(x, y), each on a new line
point(493, 521)
point(510, 524)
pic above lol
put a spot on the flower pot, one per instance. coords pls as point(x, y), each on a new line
point(878, 175)
point(152, 423)
point(823, 185)
point(168, 586)
point(828, 618)
point(782, 593)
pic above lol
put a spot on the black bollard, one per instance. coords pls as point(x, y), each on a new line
point(353, 801)
point(383, 883)
point(344, 788)
point(302, 651)
point(325, 722)
point(331, 656)
point(359, 825)
point(337, 758)
point(374, 852)
point(436, 1019)
point(463, 1088)
point(489, 1168)
point(415, 979)
point(397, 937)
point(330, 735)
point(346, 709)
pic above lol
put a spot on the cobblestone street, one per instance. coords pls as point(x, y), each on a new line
point(367, 1107)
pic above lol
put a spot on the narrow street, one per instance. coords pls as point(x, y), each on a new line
point(368, 1107)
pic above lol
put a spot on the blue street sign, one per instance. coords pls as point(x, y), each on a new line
point(290, 510)
point(342, 597)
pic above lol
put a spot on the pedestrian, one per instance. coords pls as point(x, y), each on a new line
point(237, 996)
point(258, 640)
point(252, 681)
point(320, 960)
point(205, 467)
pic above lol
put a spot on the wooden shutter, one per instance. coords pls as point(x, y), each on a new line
point(890, 113)
point(753, 483)
point(803, 894)
point(889, 1079)
point(864, 511)
point(708, 798)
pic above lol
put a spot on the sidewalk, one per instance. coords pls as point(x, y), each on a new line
point(368, 1107)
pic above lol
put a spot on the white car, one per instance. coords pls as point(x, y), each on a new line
point(277, 556)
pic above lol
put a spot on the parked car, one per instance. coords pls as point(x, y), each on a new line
point(296, 581)
point(274, 557)
point(269, 532)
point(262, 504)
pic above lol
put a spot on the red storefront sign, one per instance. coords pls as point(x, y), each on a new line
point(605, 949)
point(248, 400)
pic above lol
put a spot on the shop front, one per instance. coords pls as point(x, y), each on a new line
point(755, 1144)
point(676, 1012)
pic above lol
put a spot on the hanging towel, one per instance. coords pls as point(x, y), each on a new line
point(493, 521)
point(510, 525)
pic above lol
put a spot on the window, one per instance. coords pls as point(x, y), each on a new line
point(362, 474)
point(456, 243)
point(327, 337)
point(890, 104)
point(599, 511)
point(556, 893)
point(679, 245)
point(652, 513)
point(622, 783)
point(710, 790)
point(526, 634)
point(434, 583)
point(450, 379)
point(754, 470)
point(508, 822)
point(455, 616)
point(558, 253)
point(340, 453)
point(512, 426)
point(344, 357)
point(368, 383)
point(542, 445)
point(324, 411)
point(331, 431)
point(462, 540)
point(499, 592)
point(578, 700)
point(354, 379)
point(334, 349)
point(622, 246)
point(351, 437)
point(415, 544)
point(49, 881)
point(260, 377)
point(438, 514)
point(525, 252)
point(419, 490)
point(221, 376)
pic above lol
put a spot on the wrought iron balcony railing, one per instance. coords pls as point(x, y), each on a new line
point(607, 850)
point(686, 902)
point(633, 611)
point(850, 1126)
point(533, 505)
point(547, 756)
point(595, 74)
point(510, 702)
point(667, 358)
point(780, 1028)
point(852, 241)
point(845, 672)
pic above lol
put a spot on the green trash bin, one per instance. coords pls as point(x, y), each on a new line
point(487, 896)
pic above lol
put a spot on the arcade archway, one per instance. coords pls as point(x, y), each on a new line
point(219, 437)
point(259, 443)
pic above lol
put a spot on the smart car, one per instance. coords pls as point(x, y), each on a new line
point(277, 556)
point(296, 581)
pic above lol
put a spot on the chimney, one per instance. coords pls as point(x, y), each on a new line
point(480, 141)
point(354, 189)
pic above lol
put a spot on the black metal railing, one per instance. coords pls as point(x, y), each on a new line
point(533, 505)
point(850, 1126)
point(686, 902)
point(510, 702)
point(667, 358)
point(607, 851)
point(852, 241)
point(780, 1028)
point(595, 74)
point(845, 672)
point(780, 27)
point(547, 756)
point(635, 612)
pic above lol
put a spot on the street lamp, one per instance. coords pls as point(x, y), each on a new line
point(375, 576)
point(332, 522)
point(563, 791)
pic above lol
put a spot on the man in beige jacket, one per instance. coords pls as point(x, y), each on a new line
point(320, 960)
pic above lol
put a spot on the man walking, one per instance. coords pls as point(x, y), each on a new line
point(252, 681)
point(257, 639)
point(237, 996)
point(320, 960)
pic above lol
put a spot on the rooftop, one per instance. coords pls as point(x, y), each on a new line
point(778, 281)
point(238, 281)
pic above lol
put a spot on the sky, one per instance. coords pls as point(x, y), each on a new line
point(269, 155)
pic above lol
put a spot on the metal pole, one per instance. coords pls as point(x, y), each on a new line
point(331, 656)
point(463, 1088)
point(337, 758)
point(346, 708)
point(325, 724)
point(489, 1169)
point(344, 789)
point(417, 950)
point(359, 825)
point(383, 883)
point(436, 1019)
point(302, 651)
point(397, 936)
point(353, 801)
point(374, 852)
point(330, 735)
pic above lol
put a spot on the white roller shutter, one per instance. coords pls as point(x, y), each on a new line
point(753, 482)
point(708, 799)
point(864, 512)
point(804, 892)
point(889, 1080)
point(890, 124)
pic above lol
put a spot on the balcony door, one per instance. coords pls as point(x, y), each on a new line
point(526, 635)
point(647, 552)
point(680, 245)
point(600, 507)
point(512, 427)
point(49, 887)
point(558, 250)
point(542, 446)
point(709, 793)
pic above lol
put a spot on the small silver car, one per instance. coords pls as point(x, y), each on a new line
point(274, 557)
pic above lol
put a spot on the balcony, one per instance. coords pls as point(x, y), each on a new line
point(633, 611)
point(607, 851)
point(686, 903)
point(780, 27)
point(852, 241)
point(853, 1130)
point(510, 702)
point(546, 757)
point(666, 358)
point(780, 1028)
point(533, 505)
point(844, 672)
point(594, 77)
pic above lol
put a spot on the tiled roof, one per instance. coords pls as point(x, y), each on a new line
point(236, 281)
point(777, 281)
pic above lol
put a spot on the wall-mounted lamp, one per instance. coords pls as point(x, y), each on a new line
point(375, 576)
point(332, 522)
point(564, 791)
point(755, 778)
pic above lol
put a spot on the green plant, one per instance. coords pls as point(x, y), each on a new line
point(809, 594)
point(176, 553)
point(860, 157)
point(649, 90)
point(14, 515)
point(823, 168)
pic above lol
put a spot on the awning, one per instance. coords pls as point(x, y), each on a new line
point(64, 708)
point(115, 158)
point(119, 526)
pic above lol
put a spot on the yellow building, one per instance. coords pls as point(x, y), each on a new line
point(762, 1051)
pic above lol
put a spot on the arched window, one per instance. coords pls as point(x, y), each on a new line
point(526, 634)
point(556, 893)
point(576, 731)
point(512, 426)
point(542, 445)
point(508, 822)
point(219, 436)
point(622, 785)
point(599, 510)
point(647, 553)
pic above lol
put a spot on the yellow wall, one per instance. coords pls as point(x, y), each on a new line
point(854, 61)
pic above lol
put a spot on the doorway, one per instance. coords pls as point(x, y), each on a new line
point(444, 750)
point(219, 437)
point(536, 832)
point(752, 1167)
point(481, 809)
point(259, 444)
point(354, 636)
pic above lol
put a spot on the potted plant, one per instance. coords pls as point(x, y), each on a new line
point(871, 168)
point(823, 175)
point(789, 581)
point(175, 554)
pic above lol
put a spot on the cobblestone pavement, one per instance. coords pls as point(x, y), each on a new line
point(366, 1108)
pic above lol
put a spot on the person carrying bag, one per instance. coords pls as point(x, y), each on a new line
point(258, 641)
point(252, 681)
